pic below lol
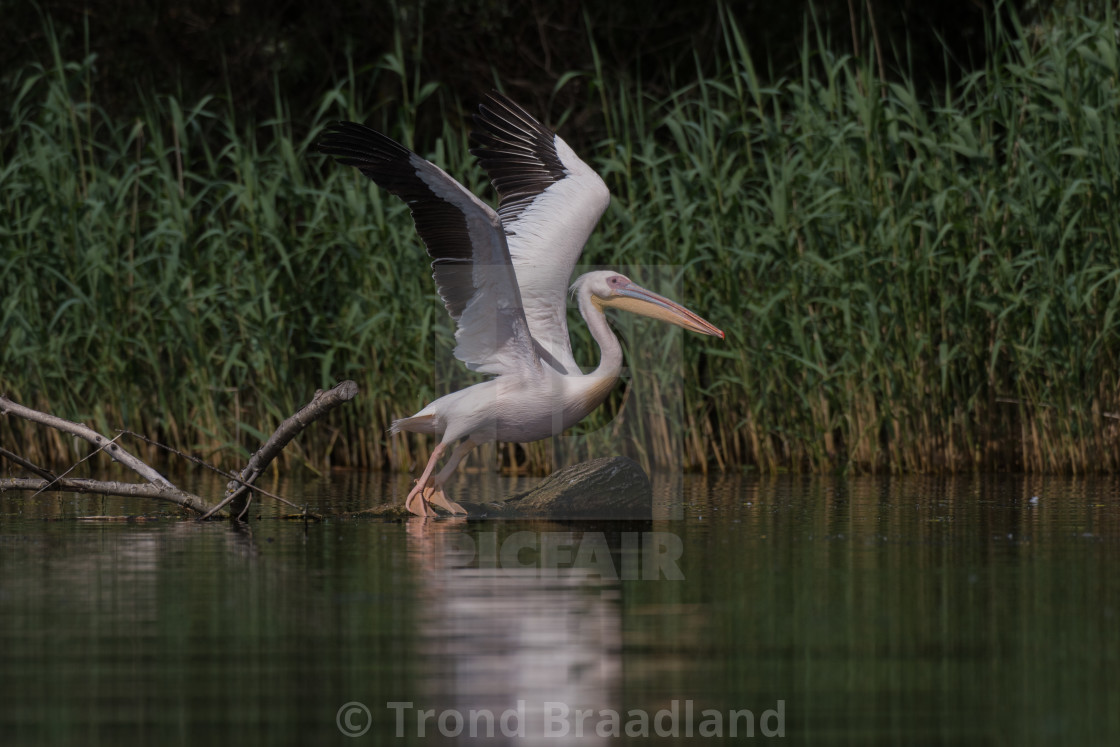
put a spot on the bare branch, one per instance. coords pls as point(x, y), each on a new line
point(201, 463)
point(323, 402)
point(116, 451)
point(75, 465)
point(158, 486)
point(29, 466)
point(168, 493)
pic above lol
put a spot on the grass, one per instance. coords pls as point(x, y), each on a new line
point(908, 283)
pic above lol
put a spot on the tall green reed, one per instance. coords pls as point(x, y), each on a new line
point(930, 285)
point(909, 282)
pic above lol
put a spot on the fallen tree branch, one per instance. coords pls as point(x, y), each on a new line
point(29, 466)
point(114, 450)
point(159, 487)
point(238, 496)
point(76, 464)
point(224, 473)
point(168, 493)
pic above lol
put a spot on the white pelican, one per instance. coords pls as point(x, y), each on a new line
point(503, 276)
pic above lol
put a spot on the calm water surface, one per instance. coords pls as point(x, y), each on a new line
point(817, 611)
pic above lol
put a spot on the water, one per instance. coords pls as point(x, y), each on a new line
point(858, 611)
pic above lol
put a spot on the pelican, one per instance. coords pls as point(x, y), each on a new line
point(502, 277)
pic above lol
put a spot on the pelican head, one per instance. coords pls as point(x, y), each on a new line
point(612, 289)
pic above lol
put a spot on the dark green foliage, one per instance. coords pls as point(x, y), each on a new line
point(249, 48)
point(908, 282)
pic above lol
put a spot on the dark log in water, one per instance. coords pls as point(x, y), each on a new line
point(608, 488)
point(612, 487)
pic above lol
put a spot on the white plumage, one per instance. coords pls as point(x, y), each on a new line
point(503, 277)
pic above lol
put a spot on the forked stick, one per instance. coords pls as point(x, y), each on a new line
point(237, 491)
point(159, 487)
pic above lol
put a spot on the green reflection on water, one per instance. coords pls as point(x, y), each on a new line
point(904, 611)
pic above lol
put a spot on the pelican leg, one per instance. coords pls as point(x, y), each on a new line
point(438, 497)
point(417, 502)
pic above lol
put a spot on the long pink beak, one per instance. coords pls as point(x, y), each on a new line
point(638, 300)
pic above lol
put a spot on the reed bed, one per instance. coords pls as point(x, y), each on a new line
point(910, 282)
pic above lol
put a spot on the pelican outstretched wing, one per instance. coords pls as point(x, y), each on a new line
point(550, 201)
point(471, 261)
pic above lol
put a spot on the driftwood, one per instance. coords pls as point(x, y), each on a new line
point(608, 488)
point(157, 486)
point(107, 487)
point(238, 490)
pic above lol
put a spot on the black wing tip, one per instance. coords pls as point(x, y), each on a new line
point(492, 95)
point(501, 123)
point(497, 98)
point(352, 144)
point(339, 129)
point(496, 107)
point(517, 152)
point(337, 139)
